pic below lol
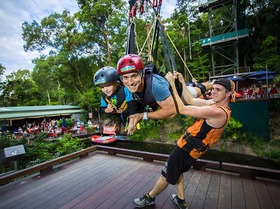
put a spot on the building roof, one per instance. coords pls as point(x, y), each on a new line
point(7, 113)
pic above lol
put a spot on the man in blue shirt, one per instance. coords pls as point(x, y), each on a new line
point(148, 88)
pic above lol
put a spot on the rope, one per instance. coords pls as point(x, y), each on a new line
point(153, 25)
point(156, 5)
point(136, 42)
point(193, 79)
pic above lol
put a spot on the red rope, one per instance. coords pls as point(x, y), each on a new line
point(153, 3)
point(156, 3)
point(141, 9)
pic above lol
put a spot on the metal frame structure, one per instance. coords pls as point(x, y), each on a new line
point(224, 37)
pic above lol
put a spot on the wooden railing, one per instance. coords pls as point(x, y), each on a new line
point(46, 166)
point(243, 170)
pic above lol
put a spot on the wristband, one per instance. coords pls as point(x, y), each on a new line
point(145, 116)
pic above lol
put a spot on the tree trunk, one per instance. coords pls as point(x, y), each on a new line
point(49, 99)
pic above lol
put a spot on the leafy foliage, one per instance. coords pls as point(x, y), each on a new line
point(67, 145)
point(233, 129)
point(168, 130)
point(148, 129)
point(39, 150)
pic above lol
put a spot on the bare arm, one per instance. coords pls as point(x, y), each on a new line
point(166, 110)
point(187, 96)
point(133, 120)
point(214, 116)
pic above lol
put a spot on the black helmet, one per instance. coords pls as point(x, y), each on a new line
point(105, 75)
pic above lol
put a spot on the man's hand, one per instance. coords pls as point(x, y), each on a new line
point(135, 118)
point(130, 130)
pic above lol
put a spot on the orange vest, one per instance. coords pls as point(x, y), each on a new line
point(200, 136)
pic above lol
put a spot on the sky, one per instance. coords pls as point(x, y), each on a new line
point(14, 12)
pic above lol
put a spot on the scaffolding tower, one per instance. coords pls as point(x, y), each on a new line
point(226, 28)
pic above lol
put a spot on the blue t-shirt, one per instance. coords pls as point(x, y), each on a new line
point(160, 88)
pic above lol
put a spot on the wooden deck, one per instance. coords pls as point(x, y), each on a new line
point(112, 181)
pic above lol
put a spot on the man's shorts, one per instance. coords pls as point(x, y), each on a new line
point(178, 162)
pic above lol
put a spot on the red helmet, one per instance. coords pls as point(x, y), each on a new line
point(129, 63)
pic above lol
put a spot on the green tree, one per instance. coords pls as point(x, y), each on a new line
point(20, 89)
point(66, 45)
point(44, 76)
point(78, 46)
point(268, 55)
point(186, 35)
point(2, 84)
point(90, 100)
point(2, 70)
point(262, 19)
point(104, 25)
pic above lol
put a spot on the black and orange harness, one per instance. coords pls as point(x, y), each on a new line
point(200, 136)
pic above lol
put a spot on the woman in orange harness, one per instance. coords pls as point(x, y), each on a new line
point(213, 116)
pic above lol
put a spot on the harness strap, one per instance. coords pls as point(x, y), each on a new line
point(123, 105)
point(202, 89)
point(111, 103)
point(130, 47)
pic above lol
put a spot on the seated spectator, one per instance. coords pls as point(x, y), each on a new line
point(273, 92)
point(89, 123)
point(20, 131)
point(63, 129)
point(260, 93)
point(29, 130)
point(255, 91)
point(251, 93)
point(245, 93)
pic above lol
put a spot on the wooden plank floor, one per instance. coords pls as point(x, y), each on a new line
point(103, 181)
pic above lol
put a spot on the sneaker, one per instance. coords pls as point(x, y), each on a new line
point(180, 203)
point(144, 201)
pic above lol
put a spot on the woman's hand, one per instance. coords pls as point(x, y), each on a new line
point(170, 77)
point(179, 76)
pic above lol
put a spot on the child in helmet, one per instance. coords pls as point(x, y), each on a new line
point(116, 98)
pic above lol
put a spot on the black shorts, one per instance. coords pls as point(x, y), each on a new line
point(178, 162)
